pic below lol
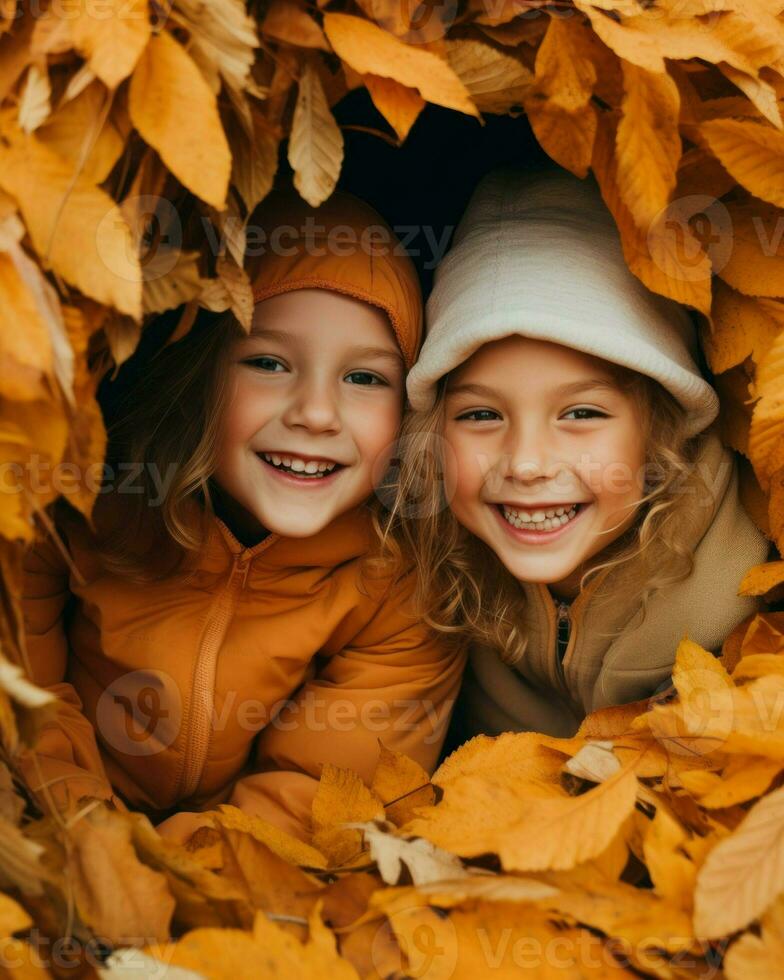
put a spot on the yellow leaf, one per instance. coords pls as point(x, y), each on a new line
point(567, 137)
point(371, 50)
point(111, 37)
point(635, 916)
point(288, 21)
point(176, 112)
point(741, 326)
point(342, 798)
point(762, 578)
point(647, 140)
point(760, 93)
point(13, 917)
point(564, 70)
point(755, 265)
point(32, 441)
point(268, 951)
point(752, 152)
point(766, 434)
point(254, 161)
point(530, 827)
point(75, 227)
point(398, 104)
point(743, 779)
point(115, 893)
point(315, 143)
point(754, 957)
point(284, 845)
point(744, 873)
point(668, 259)
point(73, 131)
point(25, 350)
point(497, 82)
point(401, 784)
point(521, 755)
point(672, 873)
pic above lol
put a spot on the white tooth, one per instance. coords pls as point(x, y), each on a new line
point(322, 467)
point(563, 519)
point(550, 513)
point(560, 510)
point(298, 465)
point(276, 459)
point(538, 515)
point(311, 466)
point(285, 461)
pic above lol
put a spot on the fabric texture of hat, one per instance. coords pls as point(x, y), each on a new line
point(540, 256)
point(343, 245)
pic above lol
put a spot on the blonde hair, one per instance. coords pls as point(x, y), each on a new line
point(165, 431)
point(462, 587)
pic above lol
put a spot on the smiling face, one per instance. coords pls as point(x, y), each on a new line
point(547, 457)
point(315, 406)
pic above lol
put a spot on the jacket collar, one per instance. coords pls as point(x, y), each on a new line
point(349, 536)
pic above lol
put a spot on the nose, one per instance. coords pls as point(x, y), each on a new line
point(532, 452)
point(313, 406)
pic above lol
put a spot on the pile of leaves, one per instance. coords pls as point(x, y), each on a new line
point(135, 141)
point(651, 843)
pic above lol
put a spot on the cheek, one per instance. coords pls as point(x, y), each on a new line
point(245, 413)
point(376, 429)
point(617, 468)
point(463, 467)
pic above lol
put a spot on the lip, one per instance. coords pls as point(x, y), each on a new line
point(542, 506)
point(296, 481)
point(539, 538)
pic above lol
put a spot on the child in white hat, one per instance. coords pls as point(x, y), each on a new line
point(576, 512)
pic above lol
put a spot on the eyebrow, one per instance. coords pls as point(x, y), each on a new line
point(569, 388)
point(265, 333)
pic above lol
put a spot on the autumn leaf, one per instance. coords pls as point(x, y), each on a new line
point(167, 89)
point(371, 50)
point(316, 143)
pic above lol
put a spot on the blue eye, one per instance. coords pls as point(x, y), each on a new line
point(364, 378)
point(591, 412)
point(270, 364)
point(479, 415)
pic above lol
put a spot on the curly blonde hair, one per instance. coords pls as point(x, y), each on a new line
point(462, 587)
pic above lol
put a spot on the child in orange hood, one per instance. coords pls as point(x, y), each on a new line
point(228, 631)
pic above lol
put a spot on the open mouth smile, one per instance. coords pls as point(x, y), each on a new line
point(539, 525)
point(300, 468)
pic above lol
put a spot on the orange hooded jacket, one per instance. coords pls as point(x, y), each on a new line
point(236, 683)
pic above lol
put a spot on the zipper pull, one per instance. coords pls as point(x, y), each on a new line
point(243, 566)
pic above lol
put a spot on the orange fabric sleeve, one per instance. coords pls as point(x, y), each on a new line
point(66, 757)
point(397, 681)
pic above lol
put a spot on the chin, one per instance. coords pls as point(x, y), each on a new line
point(294, 528)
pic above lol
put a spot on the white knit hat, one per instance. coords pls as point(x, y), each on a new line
point(540, 256)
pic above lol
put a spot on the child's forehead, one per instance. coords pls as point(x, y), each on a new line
point(543, 359)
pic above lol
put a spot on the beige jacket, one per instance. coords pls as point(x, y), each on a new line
point(544, 693)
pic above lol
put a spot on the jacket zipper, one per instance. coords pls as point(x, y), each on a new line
point(203, 691)
point(563, 624)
